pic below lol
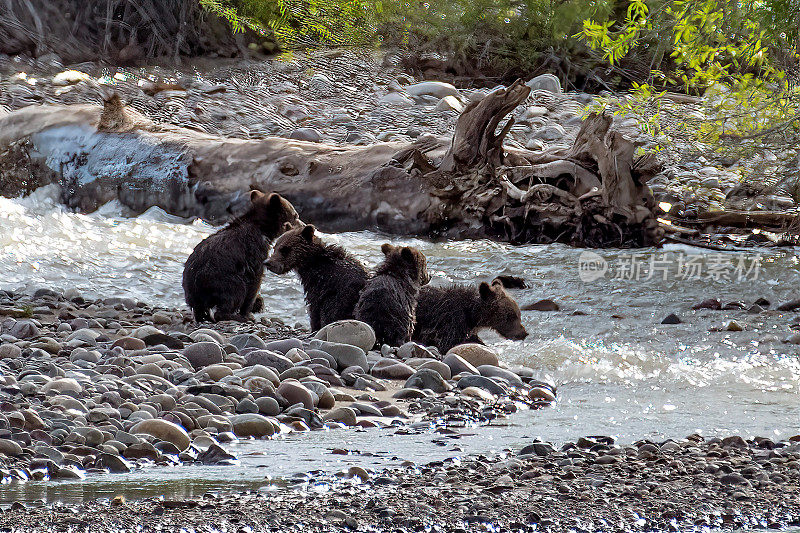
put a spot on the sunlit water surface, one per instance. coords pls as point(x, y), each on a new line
point(619, 371)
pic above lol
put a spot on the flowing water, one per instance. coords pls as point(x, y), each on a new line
point(619, 370)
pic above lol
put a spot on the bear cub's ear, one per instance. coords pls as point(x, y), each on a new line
point(485, 290)
point(386, 248)
point(308, 232)
point(275, 200)
point(256, 195)
point(407, 254)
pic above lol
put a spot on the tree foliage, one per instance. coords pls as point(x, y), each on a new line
point(502, 38)
point(303, 22)
point(742, 57)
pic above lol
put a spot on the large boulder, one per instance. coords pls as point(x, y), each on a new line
point(475, 354)
point(439, 89)
point(202, 354)
point(295, 392)
point(346, 355)
point(458, 365)
point(163, 430)
point(427, 379)
point(353, 332)
point(252, 425)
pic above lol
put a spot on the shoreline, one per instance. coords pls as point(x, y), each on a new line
point(114, 384)
point(589, 485)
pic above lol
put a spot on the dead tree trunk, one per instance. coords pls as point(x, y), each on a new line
point(593, 194)
point(476, 143)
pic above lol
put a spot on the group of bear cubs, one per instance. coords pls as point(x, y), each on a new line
point(224, 274)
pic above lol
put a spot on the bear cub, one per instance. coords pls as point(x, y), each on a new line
point(448, 316)
point(332, 279)
point(224, 272)
point(389, 300)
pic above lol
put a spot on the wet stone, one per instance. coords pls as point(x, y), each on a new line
point(709, 303)
point(169, 341)
point(458, 365)
point(268, 406)
point(542, 305)
point(283, 346)
point(350, 332)
point(475, 354)
point(427, 379)
point(482, 382)
point(269, 359)
point(252, 425)
point(203, 354)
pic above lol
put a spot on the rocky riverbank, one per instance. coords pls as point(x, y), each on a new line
point(592, 484)
point(114, 384)
point(358, 98)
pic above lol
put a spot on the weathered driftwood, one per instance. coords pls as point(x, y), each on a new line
point(592, 194)
point(752, 219)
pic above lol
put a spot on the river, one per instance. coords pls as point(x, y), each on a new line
point(619, 371)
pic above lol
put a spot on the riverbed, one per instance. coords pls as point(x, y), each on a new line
point(619, 371)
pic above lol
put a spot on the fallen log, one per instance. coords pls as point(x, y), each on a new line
point(752, 219)
point(592, 194)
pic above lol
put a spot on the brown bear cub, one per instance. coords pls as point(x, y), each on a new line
point(332, 279)
point(447, 316)
point(389, 300)
point(224, 271)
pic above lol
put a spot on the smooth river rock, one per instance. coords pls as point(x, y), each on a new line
point(269, 359)
point(545, 82)
point(491, 371)
point(391, 369)
point(203, 354)
point(438, 89)
point(62, 385)
point(351, 332)
point(343, 415)
point(427, 379)
point(295, 392)
point(346, 355)
point(252, 425)
point(475, 354)
point(163, 430)
point(458, 365)
point(482, 382)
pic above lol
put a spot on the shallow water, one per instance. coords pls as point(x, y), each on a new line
point(619, 371)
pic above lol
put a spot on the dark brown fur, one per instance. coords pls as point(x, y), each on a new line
point(448, 316)
point(332, 279)
point(224, 271)
point(389, 300)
